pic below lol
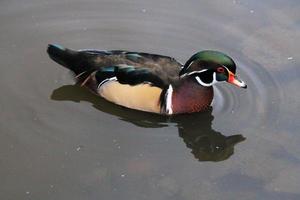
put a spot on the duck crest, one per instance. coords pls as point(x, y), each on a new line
point(191, 97)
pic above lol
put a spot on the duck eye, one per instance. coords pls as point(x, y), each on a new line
point(220, 70)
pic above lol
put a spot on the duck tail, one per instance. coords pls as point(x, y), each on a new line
point(65, 57)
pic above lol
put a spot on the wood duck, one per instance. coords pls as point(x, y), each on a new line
point(149, 82)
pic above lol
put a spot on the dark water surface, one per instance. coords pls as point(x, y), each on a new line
point(60, 142)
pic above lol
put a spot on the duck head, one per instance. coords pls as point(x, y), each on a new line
point(209, 67)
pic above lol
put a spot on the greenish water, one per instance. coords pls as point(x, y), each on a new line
point(58, 141)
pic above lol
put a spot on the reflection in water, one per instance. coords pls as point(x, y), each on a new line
point(206, 144)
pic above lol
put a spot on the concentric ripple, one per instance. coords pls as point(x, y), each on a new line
point(258, 103)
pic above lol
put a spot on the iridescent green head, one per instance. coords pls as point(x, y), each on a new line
point(209, 67)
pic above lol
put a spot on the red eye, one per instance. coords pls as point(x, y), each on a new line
point(220, 70)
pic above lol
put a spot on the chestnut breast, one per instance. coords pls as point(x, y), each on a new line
point(191, 97)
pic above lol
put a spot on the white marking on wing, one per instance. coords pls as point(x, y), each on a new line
point(106, 81)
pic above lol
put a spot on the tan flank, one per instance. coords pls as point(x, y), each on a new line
point(141, 97)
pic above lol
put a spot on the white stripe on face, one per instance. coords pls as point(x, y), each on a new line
point(198, 79)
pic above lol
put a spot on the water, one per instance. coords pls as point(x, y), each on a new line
point(58, 141)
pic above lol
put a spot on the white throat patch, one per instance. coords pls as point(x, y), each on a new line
point(207, 84)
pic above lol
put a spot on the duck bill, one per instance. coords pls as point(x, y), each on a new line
point(233, 79)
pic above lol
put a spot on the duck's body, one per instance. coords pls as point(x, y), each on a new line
point(142, 81)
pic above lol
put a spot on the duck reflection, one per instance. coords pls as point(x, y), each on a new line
point(206, 143)
point(195, 129)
